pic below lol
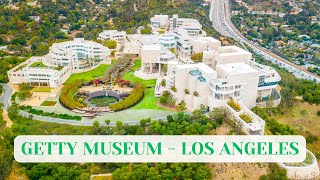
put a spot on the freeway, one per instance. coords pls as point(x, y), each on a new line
point(221, 21)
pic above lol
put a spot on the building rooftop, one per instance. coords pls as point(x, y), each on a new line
point(227, 50)
point(208, 39)
point(155, 47)
point(144, 39)
point(237, 68)
point(199, 66)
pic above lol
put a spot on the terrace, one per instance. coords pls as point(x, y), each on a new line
point(37, 64)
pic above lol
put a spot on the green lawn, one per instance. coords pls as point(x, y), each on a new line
point(48, 103)
point(131, 77)
point(37, 64)
point(149, 101)
point(89, 75)
point(41, 89)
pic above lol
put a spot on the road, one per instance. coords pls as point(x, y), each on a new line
point(221, 21)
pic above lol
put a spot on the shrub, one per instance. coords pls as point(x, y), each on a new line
point(166, 93)
point(24, 94)
point(163, 99)
point(48, 103)
point(196, 94)
point(182, 106)
point(146, 30)
point(303, 112)
point(167, 98)
point(107, 121)
point(186, 91)
point(113, 52)
point(136, 95)
point(197, 57)
point(311, 138)
point(67, 93)
point(163, 82)
point(174, 89)
point(143, 122)
point(29, 109)
point(25, 86)
point(247, 118)
point(234, 105)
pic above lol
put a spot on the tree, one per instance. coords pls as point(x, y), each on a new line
point(216, 114)
point(143, 122)
point(119, 124)
point(41, 49)
point(107, 121)
point(35, 41)
point(174, 89)
point(19, 41)
point(111, 44)
point(146, 30)
point(163, 82)
point(60, 35)
point(182, 106)
point(197, 57)
point(24, 94)
point(96, 124)
point(163, 100)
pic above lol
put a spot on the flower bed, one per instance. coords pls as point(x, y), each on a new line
point(234, 105)
point(246, 118)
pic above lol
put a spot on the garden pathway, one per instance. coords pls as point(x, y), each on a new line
point(6, 118)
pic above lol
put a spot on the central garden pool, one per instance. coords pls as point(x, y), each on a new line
point(102, 101)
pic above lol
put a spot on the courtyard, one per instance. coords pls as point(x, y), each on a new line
point(47, 99)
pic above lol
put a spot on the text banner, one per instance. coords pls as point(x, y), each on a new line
point(159, 148)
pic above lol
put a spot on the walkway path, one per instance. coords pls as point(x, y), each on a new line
point(5, 100)
point(101, 176)
point(79, 123)
point(6, 118)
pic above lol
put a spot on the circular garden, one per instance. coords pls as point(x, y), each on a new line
point(111, 100)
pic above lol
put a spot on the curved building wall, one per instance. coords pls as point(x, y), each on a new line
point(79, 54)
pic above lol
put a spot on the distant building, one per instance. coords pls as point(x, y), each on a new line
point(78, 54)
point(115, 35)
point(159, 21)
point(192, 26)
point(38, 75)
point(153, 57)
point(63, 59)
point(226, 73)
